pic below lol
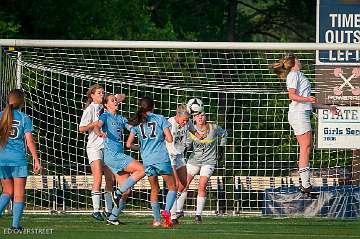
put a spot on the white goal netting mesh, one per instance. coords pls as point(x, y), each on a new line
point(236, 86)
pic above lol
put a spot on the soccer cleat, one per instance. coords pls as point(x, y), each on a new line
point(97, 216)
point(167, 218)
point(305, 190)
point(115, 222)
point(198, 219)
point(116, 198)
point(175, 221)
point(179, 214)
point(106, 214)
point(156, 224)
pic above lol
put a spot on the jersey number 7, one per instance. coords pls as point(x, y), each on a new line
point(152, 126)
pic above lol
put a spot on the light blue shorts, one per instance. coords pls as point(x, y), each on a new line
point(116, 161)
point(163, 168)
point(300, 121)
point(7, 172)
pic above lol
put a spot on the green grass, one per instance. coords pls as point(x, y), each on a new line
point(81, 226)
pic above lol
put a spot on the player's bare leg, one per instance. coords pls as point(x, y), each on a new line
point(96, 170)
point(182, 198)
point(121, 177)
point(154, 183)
point(201, 198)
point(181, 181)
point(305, 141)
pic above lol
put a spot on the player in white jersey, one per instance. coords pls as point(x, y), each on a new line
point(94, 150)
point(203, 159)
point(299, 89)
point(180, 128)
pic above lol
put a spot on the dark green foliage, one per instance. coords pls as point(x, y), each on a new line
point(185, 20)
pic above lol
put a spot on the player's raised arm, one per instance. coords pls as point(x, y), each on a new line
point(120, 97)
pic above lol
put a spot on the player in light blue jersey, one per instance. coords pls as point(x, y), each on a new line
point(300, 109)
point(15, 130)
point(127, 170)
point(152, 131)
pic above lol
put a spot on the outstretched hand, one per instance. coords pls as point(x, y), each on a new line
point(101, 134)
point(334, 109)
point(199, 135)
point(36, 166)
point(311, 99)
point(120, 97)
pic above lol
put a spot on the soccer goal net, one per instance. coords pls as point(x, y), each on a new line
point(240, 93)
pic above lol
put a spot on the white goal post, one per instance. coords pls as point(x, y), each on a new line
point(239, 91)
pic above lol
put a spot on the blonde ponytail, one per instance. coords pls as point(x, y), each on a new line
point(283, 66)
point(15, 100)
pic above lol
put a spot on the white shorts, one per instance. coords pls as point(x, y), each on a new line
point(205, 170)
point(95, 154)
point(178, 161)
point(300, 121)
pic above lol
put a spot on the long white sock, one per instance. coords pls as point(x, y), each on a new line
point(96, 197)
point(200, 205)
point(305, 177)
point(108, 202)
point(181, 201)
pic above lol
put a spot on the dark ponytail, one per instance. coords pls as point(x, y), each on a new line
point(146, 104)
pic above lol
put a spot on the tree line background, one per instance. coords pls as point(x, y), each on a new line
point(181, 20)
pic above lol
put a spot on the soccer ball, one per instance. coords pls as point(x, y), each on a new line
point(195, 106)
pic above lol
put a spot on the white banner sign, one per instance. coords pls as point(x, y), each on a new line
point(341, 130)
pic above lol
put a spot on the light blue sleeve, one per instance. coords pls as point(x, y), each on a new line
point(126, 123)
point(164, 123)
point(103, 117)
point(134, 130)
point(28, 127)
point(292, 80)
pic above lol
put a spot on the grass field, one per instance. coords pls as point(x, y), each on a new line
point(138, 227)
